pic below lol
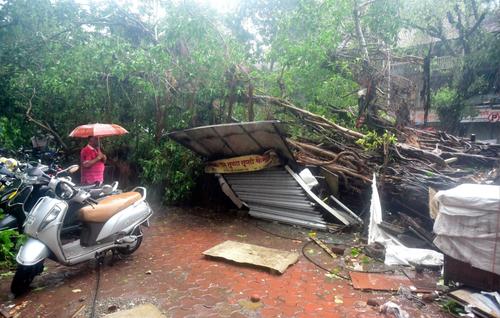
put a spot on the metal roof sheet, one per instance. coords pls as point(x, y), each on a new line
point(233, 140)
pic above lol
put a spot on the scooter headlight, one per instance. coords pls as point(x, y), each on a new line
point(51, 216)
point(31, 179)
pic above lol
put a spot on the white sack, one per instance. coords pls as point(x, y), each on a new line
point(468, 225)
point(466, 197)
point(480, 253)
point(474, 226)
point(402, 255)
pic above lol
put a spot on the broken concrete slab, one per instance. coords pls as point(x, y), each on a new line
point(244, 253)
point(141, 311)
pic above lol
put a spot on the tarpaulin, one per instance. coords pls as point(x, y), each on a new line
point(395, 252)
point(468, 225)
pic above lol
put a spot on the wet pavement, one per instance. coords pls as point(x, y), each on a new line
point(170, 272)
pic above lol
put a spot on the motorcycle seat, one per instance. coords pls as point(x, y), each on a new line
point(108, 207)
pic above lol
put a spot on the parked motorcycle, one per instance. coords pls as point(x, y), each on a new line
point(112, 224)
point(25, 188)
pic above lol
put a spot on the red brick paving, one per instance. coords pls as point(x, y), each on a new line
point(183, 283)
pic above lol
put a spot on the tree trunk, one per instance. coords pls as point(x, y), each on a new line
point(251, 114)
point(232, 93)
point(425, 93)
point(160, 120)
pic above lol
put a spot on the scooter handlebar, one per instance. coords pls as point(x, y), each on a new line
point(93, 201)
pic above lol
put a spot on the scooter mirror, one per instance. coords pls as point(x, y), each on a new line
point(69, 170)
point(73, 168)
point(107, 189)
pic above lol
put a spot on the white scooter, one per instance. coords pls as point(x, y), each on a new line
point(113, 223)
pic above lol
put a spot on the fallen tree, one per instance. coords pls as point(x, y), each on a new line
point(407, 165)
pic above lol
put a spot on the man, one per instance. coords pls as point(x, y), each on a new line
point(92, 160)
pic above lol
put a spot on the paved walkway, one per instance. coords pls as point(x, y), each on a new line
point(170, 272)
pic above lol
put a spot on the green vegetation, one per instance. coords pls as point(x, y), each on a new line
point(374, 141)
point(10, 241)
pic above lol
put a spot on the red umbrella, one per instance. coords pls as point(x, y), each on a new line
point(98, 130)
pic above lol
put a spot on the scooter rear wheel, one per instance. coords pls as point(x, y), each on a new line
point(23, 278)
point(127, 250)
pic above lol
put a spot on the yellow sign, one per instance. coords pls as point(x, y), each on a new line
point(243, 163)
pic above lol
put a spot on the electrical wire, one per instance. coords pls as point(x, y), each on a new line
point(94, 301)
point(276, 234)
point(319, 265)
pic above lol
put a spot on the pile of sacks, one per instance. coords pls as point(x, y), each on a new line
point(467, 225)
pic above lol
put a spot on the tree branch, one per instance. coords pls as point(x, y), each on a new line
point(41, 124)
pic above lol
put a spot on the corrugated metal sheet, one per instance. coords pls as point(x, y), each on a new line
point(275, 194)
point(233, 140)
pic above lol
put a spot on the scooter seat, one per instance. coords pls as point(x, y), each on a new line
point(108, 207)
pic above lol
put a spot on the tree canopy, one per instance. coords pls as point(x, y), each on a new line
point(157, 66)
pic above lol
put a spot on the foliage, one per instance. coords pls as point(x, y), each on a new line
point(452, 307)
point(461, 27)
point(374, 141)
point(448, 106)
point(10, 133)
point(172, 168)
point(10, 241)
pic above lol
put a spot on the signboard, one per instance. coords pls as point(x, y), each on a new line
point(493, 117)
point(483, 115)
point(243, 163)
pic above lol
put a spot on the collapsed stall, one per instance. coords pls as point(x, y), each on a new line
point(256, 168)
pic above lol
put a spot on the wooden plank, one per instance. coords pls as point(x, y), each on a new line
point(324, 247)
point(253, 254)
point(379, 281)
point(467, 296)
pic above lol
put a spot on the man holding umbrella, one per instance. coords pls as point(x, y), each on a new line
point(92, 160)
point(91, 156)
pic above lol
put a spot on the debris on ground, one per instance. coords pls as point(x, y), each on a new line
point(380, 281)
point(396, 253)
point(323, 246)
point(274, 259)
point(393, 309)
point(78, 311)
point(146, 310)
point(326, 178)
point(255, 298)
point(478, 302)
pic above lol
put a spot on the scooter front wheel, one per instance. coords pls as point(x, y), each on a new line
point(23, 278)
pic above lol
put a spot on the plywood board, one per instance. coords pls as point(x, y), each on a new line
point(467, 296)
point(377, 281)
point(278, 260)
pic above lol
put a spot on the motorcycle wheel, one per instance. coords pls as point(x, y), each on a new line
point(23, 278)
point(127, 250)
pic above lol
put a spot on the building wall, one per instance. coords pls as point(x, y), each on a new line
point(483, 131)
